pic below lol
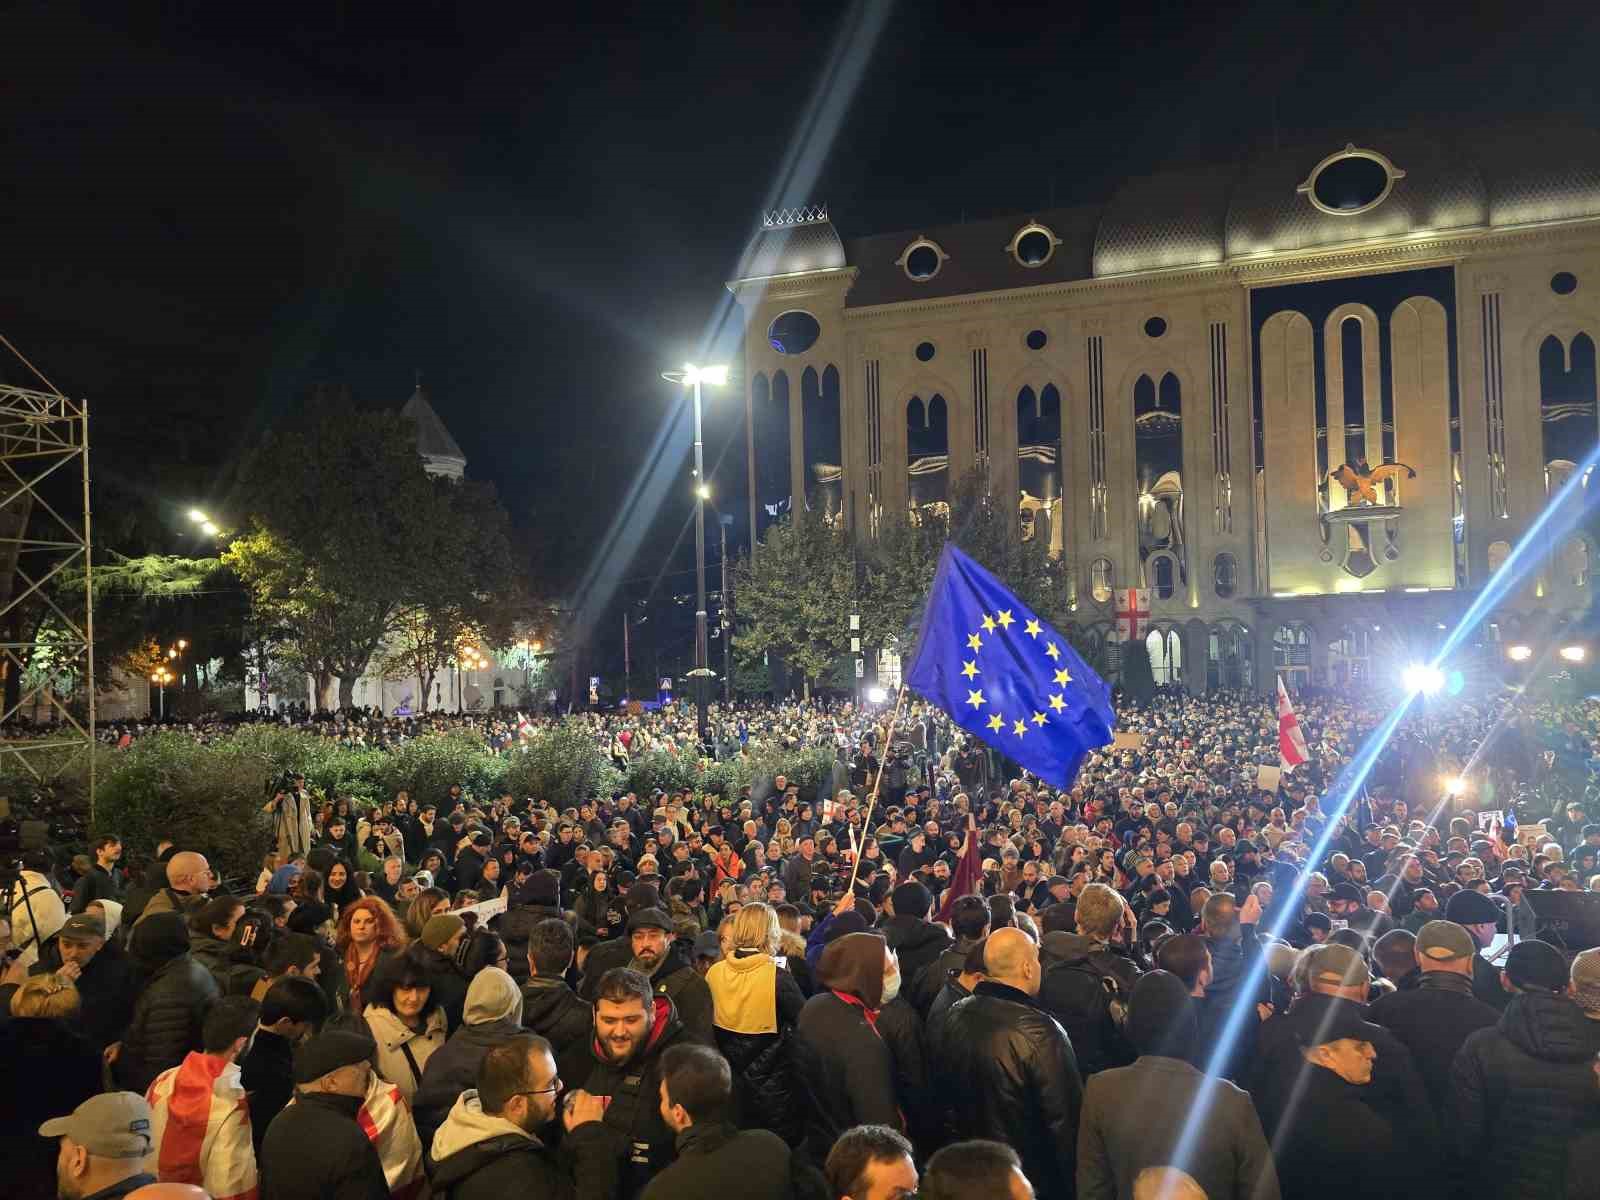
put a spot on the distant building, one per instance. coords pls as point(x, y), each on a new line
point(1171, 385)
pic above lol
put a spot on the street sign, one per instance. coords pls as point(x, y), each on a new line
point(861, 668)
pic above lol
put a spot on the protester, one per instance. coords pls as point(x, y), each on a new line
point(492, 1015)
point(105, 1142)
point(175, 993)
point(291, 1011)
point(315, 1146)
point(368, 933)
point(976, 1168)
point(51, 1069)
point(200, 1114)
point(405, 1021)
point(871, 1162)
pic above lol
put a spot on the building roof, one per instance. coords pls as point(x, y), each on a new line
point(1440, 182)
point(433, 439)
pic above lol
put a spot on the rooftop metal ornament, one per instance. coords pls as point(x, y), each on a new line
point(786, 218)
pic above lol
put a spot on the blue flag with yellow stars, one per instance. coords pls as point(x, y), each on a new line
point(1006, 676)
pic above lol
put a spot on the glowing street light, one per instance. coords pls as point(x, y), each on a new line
point(877, 695)
point(1454, 785)
point(1573, 654)
point(1519, 653)
point(198, 517)
point(1419, 677)
point(693, 376)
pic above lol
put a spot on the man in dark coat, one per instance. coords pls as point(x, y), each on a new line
point(104, 878)
point(915, 940)
point(1480, 916)
point(441, 938)
point(489, 1146)
point(1136, 1117)
point(1005, 1069)
point(1435, 1018)
point(536, 901)
point(172, 1006)
point(1086, 982)
point(292, 1010)
point(616, 951)
point(315, 1147)
point(1528, 1082)
point(106, 982)
point(714, 1157)
point(660, 958)
point(550, 1008)
point(633, 1027)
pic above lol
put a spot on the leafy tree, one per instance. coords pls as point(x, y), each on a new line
point(897, 571)
point(795, 596)
point(338, 535)
point(991, 532)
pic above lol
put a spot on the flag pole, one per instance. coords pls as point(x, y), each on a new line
point(866, 825)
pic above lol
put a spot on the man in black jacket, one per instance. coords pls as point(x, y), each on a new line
point(969, 920)
point(169, 1012)
point(314, 1147)
point(1006, 1070)
point(550, 1008)
point(292, 1011)
point(104, 977)
point(104, 879)
point(633, 1027)
point(441, 937)
point(915, 940)
point(666, 963)
point(489, 1147)
point(714, 1157)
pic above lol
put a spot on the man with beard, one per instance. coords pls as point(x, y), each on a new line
point(489, 1146)
point(104, 1144)
point(661, 960)
point(633, 1027)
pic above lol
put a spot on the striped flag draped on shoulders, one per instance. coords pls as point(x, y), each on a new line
point(200, 1124)
point(386, 1120)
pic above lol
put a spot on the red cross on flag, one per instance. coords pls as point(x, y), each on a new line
point(1133, 611)
point(1291, 742)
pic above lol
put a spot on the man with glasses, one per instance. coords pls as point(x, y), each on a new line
point(489, 1147)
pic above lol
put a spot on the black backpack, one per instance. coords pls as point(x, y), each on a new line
point(1090, 1005)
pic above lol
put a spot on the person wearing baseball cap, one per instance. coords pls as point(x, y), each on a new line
point(1529, 1081)
point(315, 1146)
point(104, 1144)
point(1480, 917)
point(1435, 1018)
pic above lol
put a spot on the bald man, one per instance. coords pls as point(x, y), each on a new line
point(1008, 1067)
point(1166, 1183)
point(188, 875)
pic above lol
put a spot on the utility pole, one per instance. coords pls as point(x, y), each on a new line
point(726, 615)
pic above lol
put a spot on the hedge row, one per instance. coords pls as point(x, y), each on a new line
point(211, 794)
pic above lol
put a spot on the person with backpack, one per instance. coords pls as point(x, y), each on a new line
point(1086, 982)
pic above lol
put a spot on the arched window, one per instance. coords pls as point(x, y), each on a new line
point(1291, 654)
point(1225, 575)
point(1158, 461)
point(1165, 647)
point(1102, 580)
point(1567, 398)
point(1350, 656)
point(1230, 657)
point(824, 464)
point(1038, 464)
point(769, 407)
point(1163, 576)
point(927, 454)
point(1575, 557)
point(1498, 553)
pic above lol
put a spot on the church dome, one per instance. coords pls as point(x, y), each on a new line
point(792, 243)
point(1171, 219)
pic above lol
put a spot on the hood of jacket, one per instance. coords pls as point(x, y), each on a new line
point(1550, 1028)
point(1068, 947)
point(912, 934)
point(471, 1138)
point(543, 997)
point(493, 996)
point(113, 910)
point(744, 992)
point(854, 964)
point(158, 939)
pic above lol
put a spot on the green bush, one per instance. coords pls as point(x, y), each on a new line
point(427, 766)
point(563, 767)
point(659, 769)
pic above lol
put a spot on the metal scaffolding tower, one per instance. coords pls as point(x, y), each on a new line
point(44, 541)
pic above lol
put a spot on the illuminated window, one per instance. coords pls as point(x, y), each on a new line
point(1102, 580)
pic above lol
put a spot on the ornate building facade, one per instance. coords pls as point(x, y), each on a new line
point(1306, 403)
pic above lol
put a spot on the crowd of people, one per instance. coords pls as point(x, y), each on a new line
point(931, 975)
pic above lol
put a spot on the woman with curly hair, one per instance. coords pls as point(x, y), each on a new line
point(368, 931)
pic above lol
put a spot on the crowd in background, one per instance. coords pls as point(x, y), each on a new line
point(1175, 978)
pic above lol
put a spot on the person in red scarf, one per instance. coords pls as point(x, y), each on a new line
point(368, 932)
point(200, 1115)
point(843, 1065)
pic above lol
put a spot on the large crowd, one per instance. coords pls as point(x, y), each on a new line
point(929, 975)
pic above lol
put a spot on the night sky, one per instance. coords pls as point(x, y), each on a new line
point(210, 208)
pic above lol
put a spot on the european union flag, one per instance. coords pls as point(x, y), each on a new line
point(1006, 676)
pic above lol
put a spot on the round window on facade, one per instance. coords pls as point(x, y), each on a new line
point(1155, 327)
point(1033, 245)
point(922, 259)
point(1350, 182)
point(925, 351)
point(1563, 283)
point(793, 332)
point(1037, 339)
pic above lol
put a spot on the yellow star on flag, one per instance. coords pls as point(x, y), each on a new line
point(1062, 678)
point(1053, 650)
point(1032, 628)
point(975, 699)
point(1039, 718)
point(1019, 728)
point(988, 623)
point(969, 669)
point(1006, 619)
point(1057, 703)
point(997, 723)
point(974, 642)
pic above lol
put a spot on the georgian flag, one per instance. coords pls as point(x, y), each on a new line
point(200, 1127)
point(1291, 742)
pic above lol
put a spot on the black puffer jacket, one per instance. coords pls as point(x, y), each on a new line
point(515, 928)
point(916, 943)
point(844, 1070)
point(1006, 1071)
point(923, 988)
point(453, 1069)
point(169, 1012)
point(1529, 1083)
point(553, 1010)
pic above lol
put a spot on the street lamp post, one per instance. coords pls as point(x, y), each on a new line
point(161, 678)
point(692, 377)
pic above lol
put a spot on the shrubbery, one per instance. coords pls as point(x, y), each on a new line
point(210, 794)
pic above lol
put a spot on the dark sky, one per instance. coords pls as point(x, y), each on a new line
point(210, 207)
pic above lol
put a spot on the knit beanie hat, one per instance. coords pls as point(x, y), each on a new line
point(1161, 1016)
point(441, 927)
